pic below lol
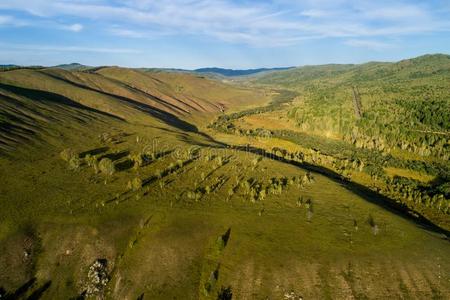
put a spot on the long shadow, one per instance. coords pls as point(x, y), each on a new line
point(37, 294)
point(226, 236)
point(115, 156)
point(19, 292)
point(157, 99)
point(359, 189)
point(124, 165)
point(44, 96)
point(94, 151)
point(160, 114)
point(225, 293)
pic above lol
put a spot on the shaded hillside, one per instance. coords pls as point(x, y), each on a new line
point(34, 99)
point(190, 94)
point(27, 114)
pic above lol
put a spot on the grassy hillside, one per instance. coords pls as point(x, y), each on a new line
point(384, 125)
point(112, 187)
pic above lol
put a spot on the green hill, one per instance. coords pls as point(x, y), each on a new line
point(139, 184)
point(405, 105)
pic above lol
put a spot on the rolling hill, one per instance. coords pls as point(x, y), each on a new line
point(124, 183)
point(132, 96)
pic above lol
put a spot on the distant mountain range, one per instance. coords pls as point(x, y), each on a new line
point(212, 71)
point(73, 67)
point(231, 72)
point(267, 74)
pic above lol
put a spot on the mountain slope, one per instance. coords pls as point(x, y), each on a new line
point(420, 67)
point(231, 72)
point(157, 100)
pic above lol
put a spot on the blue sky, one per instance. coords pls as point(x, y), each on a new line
point(223, 33)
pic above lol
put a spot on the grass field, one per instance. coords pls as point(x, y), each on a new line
point(189, 212)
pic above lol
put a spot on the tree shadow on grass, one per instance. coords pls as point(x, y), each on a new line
point(95, 151)
point(164, 116)
point(44, 96)
point(124, 165)
point(359, 189)
point(37, 294)
point(115, 156)
point(20, 293)
point(225, 293)
point(226, 237)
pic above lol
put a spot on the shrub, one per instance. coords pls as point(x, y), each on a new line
point(209, 285)
point(219, 161)
point(220, 243)
point(308, 178)
point(308, 204)
point(180, 163)
point(355, 224)
point(373, 225)
point(162, 184)
point(74, 163)
point(90, 160)
point(159, 174)
point(135, 184)
point(106, 166)
point(137, 159)
point(256, 160)
point(105, 137)
point(67, 154)
point(262, 195)
point(309, 213)
point(95, 166)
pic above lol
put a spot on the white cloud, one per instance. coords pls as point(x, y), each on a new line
point(315, 13)
point(55, 48)
point(274, 23)
point(369, 44)
point(74, 27)
point(11, 21)
point(127, 33)
point(5, 20)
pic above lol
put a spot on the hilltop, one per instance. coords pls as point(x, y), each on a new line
point(73, 67)
point(426, 65)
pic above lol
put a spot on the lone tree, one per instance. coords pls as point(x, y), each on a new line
point(135, 184)
point(107, 167)
point(373, 225)
point(67, 154)
point(74, 163)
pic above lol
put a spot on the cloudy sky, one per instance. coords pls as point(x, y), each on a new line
point(223, 33)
